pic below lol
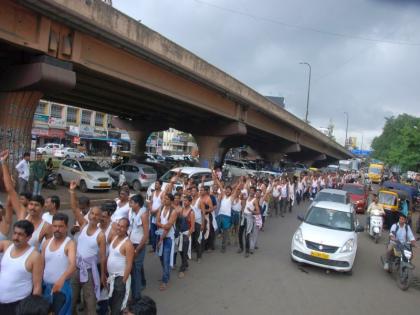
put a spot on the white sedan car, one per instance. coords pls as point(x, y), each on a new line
point(69, 153)
point(87, 174)
point(196, 173)
point(327, 237)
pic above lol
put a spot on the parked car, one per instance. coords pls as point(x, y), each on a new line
point(237, 168)
point(196, 173)
point(327, 237)
point(159, 167)
point(87, 174)
point(49, 148)
point(333, 195)
point(358, 196)
point(137, 175)
point(69, 153)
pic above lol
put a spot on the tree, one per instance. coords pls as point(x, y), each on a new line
point(399, 143)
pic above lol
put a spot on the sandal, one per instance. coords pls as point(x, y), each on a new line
point(162, 287)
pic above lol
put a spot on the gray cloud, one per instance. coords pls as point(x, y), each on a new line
point(363, 52)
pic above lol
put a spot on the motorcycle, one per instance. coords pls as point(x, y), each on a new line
point(50, 181)
point(401, 264)
point(376, 223)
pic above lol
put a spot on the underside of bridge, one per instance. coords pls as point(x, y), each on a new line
point(72, 53)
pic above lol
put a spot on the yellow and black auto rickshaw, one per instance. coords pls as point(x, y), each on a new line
point(392, 200)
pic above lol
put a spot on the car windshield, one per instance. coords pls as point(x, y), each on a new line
point(374, 170)
point(168, 175)
point(387, 199)
point(330, 219)
point(90, 166)
point(326, 196)
point(353, 190)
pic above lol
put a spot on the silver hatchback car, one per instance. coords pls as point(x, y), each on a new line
point(139, 176)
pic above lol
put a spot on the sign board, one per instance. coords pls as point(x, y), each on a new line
point(56, 133)
point(86, 131)
point(76, 140)
point(56, 122)
point(41, 118)
point(40, 132)
point(74, 130)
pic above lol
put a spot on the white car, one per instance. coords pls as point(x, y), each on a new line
point(87, 174)
point(69, 153)
point(327, 237)
point(196, 173)
point(237, 168)
point(49, 148)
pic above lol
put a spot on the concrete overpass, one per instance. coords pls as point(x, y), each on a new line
point(87, 54)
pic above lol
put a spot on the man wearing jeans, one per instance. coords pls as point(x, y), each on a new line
point(138, 233)
point(38, 171)
point(23, 170)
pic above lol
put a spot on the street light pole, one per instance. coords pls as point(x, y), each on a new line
point(309, 89)
point(347, 128)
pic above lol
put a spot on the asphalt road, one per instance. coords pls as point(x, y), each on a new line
point(269, 283)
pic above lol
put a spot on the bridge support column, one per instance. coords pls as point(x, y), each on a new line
point(139, 138)
point(17, 111)
point(210, 151)
point(21, 87)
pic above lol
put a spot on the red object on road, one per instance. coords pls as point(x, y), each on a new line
point(358, 196)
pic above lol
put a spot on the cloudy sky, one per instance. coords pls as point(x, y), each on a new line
point(365, 54)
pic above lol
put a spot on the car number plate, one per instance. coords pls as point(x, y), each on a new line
point(103, 185)
point(319, 254)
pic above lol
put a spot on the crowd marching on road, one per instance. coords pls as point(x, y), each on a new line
point(98, 264)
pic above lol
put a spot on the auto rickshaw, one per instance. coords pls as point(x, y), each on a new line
point(392, 200)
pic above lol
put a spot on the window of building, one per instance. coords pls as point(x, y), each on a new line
point(56, 111)
point(42, 108)
point(109, 122)
point(72, 114)
point(86, 115)
point(99, 119)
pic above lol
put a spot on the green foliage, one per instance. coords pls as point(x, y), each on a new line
point(399, 143)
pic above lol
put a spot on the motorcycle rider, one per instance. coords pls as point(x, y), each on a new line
point(374, 209)
point(400, 232)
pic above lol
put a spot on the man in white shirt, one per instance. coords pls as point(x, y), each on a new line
point(52, 204)
point(23, 170)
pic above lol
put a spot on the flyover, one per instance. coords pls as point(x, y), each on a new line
point(88, 54)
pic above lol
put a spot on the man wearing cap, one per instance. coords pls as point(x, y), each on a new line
point(399, 232)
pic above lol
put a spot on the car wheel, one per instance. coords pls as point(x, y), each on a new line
point(83, 186)
point(60, 180)
point(136, 185)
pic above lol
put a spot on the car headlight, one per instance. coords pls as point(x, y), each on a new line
point(407, 254)
point(298, 236)
point(348, 246)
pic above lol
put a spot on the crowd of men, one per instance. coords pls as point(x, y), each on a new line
point(98, 263)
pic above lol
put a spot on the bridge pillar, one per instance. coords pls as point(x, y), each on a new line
point(17, 111)
point(21, 88)
point(210, 150)
point(139, 138)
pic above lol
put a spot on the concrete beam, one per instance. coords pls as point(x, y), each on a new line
point(38, 76)
point(139, 125)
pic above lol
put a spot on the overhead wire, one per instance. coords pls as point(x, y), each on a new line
point(306, 28)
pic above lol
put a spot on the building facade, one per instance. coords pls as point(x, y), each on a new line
point(88, 130)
